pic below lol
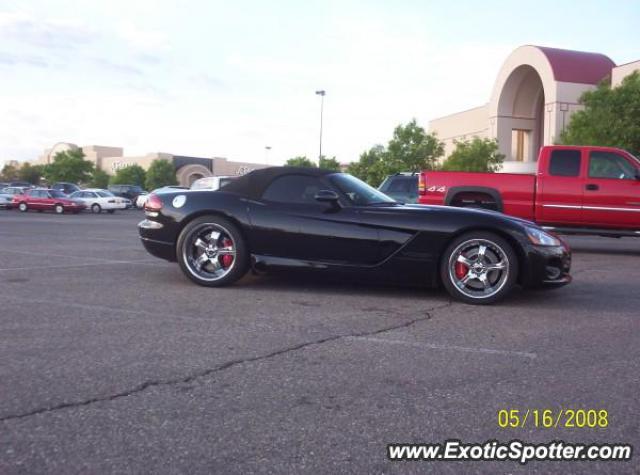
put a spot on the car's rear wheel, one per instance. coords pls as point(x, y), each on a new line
point(59, 209)
point(23, 207)
point(479, 268)
point(212, 252)
point(95, 208)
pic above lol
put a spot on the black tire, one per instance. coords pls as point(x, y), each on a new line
point(23, 207)
point(185, 249)
point(59, 209)
point(96, 208)
point(473, 288)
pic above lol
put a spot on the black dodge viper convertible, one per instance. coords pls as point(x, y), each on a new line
point(328, 221)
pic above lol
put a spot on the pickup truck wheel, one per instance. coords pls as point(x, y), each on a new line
point(479, 268)
point(212, 252)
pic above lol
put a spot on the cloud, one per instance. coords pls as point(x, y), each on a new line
point(147, 40)
point(8, 59)
point(208, 81)
point(51, 34)
point(118, 68)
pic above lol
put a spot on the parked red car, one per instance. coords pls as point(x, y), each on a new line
point(577, 190)
point(42, 199)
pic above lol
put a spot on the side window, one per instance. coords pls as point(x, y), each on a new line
point(610, 165)
point(565, 163)
point(293, 189)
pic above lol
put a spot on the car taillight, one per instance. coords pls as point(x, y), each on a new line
point(153, 203)
point(422, 185)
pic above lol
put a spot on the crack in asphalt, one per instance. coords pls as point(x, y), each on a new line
point(229, 364)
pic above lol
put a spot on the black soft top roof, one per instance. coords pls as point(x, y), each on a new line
point(254, 183)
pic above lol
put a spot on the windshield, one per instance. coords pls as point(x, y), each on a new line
point(358, 191)
point(202, 183)
point(225, 181)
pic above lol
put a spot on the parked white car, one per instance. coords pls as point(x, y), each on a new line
point(212, 182)
point(98, 200)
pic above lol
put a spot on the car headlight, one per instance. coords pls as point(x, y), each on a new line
point(540, 238)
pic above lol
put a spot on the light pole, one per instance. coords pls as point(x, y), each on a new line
point(321, 93)
point(267, 148)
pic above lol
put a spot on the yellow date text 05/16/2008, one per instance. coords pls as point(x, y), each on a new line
point(553, 418)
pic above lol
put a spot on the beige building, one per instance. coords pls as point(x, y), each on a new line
point(188, 169)
point(536, 91)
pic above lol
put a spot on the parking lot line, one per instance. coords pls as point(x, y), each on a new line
point(64, 256)
point(431, 346)
point(89, 264)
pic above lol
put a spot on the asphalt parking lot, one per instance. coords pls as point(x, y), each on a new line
point(112, 362)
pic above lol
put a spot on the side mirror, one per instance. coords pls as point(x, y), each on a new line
point(327, 196)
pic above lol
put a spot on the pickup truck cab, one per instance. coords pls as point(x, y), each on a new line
point(576, 190)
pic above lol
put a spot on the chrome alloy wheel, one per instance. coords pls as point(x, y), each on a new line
point(209, 252)
point(479, 268)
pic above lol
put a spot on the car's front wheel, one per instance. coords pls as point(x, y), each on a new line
point(212, 252)
point(59, 209)
point(479, 268)
point(23, 207)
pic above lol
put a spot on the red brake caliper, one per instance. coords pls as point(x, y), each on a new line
point(461, 270)
point(226, 260)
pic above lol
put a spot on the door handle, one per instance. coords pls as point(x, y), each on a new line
point(592, 187)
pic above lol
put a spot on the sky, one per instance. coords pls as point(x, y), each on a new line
point(227, 79)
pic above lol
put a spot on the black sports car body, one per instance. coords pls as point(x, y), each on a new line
point(283, 217)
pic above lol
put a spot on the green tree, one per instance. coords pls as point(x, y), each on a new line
point(611, 117)
point(161, 173)
point(372, 166)
point(329, 163)
point(99, 179)
point(300, 161)
point(69, 166)
point(131, 175)
point(476, 155)
point(9, 173)
point(412, 149)
point(30, 173)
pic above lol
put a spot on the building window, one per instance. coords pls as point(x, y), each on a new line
point(519, 145)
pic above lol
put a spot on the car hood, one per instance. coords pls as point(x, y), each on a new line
point(419, 209)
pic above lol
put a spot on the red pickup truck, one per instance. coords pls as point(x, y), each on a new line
point(577, 190)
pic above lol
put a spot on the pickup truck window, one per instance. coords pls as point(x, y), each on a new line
point(610, 165)
point(565, 163)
